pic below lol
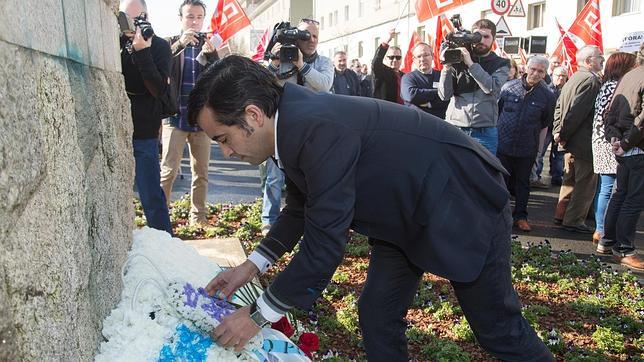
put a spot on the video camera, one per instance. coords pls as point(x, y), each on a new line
point(459, 38)
point(288, 36)
point(128, 25)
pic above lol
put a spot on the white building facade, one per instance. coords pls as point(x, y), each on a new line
point(358, 26)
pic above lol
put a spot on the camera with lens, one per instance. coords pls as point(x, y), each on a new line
point(288, 36)
point(201, 38)
point(128, 25)
point(459, 38)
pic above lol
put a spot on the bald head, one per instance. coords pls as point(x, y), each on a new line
point(133, 8)
point(308, 47)
point(422, 53)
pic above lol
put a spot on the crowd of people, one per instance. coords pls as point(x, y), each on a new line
point(465, 138)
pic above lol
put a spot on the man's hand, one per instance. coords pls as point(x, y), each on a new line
point(557, 138)
point(138, 42)
point(299, 63)
point(188, 37)
point(207, 47)
point(275, 50)
point(617, 148)
point(235, 330)
point(392, 35)
point(227, 282)
point(467, 58)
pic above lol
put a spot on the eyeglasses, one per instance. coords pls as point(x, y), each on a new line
point(310, 21)
point(396, 57)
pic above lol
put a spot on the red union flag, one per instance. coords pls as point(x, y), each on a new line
point(427, 9)
point(228, 19)
point(443, 26)
point(566, 50)
point(587, 26)
point(409, 57)
point(261, 47)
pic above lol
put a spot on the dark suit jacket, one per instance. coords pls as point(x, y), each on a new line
point(387, 171)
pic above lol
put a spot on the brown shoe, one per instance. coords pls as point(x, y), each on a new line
point(523, 225)
point(632, 261)
point(560, 210)
point(596, 237)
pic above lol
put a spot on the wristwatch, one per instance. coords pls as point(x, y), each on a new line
point(257, 316)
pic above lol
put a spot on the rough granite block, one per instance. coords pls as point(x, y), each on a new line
point(76, 31)
point(95, 33)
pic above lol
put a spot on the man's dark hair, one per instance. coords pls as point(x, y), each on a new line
point(231, 84)
point(485, 24)
point(192, 3)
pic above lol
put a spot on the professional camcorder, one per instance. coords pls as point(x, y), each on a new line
point(288, 36)
point(128, 25)
point(459, 38)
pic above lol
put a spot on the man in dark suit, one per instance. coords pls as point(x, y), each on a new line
point(442, 208)
point(387, 74)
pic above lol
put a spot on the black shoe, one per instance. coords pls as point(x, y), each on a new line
point(557, 221)
point(582, 229)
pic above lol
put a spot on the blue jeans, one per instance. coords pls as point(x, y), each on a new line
point(625, 206)
point(272, 193)
point(556, 164)
point(535, 175)
point(604, 190)
point(147, 179)
point(487, 136)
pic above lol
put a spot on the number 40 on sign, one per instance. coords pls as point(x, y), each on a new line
point(500, 7)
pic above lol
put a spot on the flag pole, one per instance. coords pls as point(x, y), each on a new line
point(400, 15)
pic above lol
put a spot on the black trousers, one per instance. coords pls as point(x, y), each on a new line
point(489, 303)
point(625, 206)
point(519, 182)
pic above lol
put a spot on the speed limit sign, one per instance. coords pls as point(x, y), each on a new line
point(500, 7)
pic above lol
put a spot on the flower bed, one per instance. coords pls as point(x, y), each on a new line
point(583, 310)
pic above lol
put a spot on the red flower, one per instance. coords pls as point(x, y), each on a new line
point(283, 326)
point(308, 343)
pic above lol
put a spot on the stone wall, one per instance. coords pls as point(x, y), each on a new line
point(66, 176)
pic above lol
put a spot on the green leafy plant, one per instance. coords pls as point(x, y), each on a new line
point(462, 330)
point(444, 351)
point(608, 340)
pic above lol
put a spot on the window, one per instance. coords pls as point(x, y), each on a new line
point(360, 8)
point(421, 33)
point(346, 13)
point(335, 17)
point(360, 49)
point(345, 48)
point(486, 14)
point(625, 6)
point(395, 39)
point(322, 22)
point(535, 15)
point(376, 4)
point(377, 42)
point(581, 4)
point(330, 19)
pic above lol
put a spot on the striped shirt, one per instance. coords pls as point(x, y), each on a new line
point(189, 77)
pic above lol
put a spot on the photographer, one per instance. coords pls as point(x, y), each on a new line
point(145, 63)
point(191, 54)
point(310, 69)
point(473, 87)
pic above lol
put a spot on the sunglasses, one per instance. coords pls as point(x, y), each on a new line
point(310, 21)
point(394, 57)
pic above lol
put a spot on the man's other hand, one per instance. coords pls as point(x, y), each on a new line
point(188, 37)
point(138, 42)
point(235, 330)
point(227, 282)
point(299, 63)
point(467, 58)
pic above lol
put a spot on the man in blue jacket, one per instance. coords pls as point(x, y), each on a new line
point(418, 87)
point(526, 108)
point(442, 207)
